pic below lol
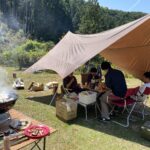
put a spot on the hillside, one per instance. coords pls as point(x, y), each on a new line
point(29, 28)
point(49, 20)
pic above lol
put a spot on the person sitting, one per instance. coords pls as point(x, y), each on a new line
point(115, 83)
point(70, 83)
point(93, 79)
point(142, 88)
point(18, 83)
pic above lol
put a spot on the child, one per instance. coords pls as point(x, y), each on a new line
point(139, 96)
point(147, 83)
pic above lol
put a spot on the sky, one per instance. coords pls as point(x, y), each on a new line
point(127, 5)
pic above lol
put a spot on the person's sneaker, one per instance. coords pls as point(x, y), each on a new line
point(103, 119)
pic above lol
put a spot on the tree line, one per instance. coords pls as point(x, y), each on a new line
point(46, 20)
point(30, 28)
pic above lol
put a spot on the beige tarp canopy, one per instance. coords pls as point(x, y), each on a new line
point(127, 46)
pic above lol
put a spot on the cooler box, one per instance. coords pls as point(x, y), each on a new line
point(87, 97)
point(66, 109)
point(145, 130)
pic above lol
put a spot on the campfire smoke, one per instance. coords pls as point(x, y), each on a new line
point(7, 93)
point(11, 34)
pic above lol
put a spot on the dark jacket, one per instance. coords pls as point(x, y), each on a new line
point(115, 80)
point(68, 79)
point(74, 87)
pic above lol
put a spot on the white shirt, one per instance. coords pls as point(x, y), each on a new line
point(142, 88)
point(139, 95)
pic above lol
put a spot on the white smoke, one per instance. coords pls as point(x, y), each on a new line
point(6, 90)
point(9, 38)
point(13, 22)
point(3, 78)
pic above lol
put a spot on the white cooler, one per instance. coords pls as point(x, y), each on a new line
point(87, 97)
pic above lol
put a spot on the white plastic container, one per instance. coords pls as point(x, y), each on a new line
point(87, 97)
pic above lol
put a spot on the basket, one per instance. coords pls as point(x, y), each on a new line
point(66, 110)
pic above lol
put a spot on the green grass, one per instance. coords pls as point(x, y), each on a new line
point(80, 134)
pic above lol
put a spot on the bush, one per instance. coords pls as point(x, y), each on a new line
point(26, 54)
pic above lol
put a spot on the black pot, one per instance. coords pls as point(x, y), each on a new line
point(4, 107)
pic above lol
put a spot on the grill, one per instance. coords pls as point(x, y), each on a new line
point(8, 98)
point(7, 101)
point(4, 107)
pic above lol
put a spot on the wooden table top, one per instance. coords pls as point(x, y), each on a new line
point(18, 115)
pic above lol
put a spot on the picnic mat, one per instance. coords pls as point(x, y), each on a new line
point(18, 115)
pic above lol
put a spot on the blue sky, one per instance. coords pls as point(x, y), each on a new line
point(127, 5)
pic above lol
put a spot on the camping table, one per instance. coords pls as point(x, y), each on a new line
point(19, 115)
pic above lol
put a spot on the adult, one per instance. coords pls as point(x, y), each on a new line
point(70, 83)
point(115, 83)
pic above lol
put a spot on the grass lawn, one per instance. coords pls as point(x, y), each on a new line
point(80, 134)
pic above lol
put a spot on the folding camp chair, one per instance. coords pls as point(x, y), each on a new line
point(84, 78)
point(128, 103)
point(64, 90)
point(55, 89)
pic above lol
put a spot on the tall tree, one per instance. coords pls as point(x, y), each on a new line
point(50, 19)
point(90, 18)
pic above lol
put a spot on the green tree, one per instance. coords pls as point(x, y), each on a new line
point(90, 18)
point(50, 19)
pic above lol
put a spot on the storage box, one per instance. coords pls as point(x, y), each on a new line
point(66, 109)
point(87, 97)
point(145, 130)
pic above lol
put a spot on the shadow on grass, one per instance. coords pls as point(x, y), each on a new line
point(130, 134)
point(43, 99)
